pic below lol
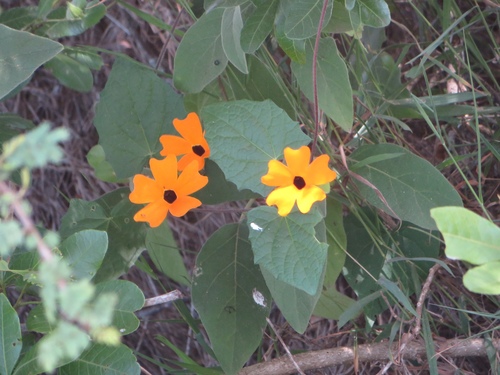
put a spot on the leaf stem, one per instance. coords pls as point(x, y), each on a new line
point(314, 77)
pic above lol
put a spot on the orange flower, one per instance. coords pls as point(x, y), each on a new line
point(298, 180)
point(166, 192)
point(192, 144)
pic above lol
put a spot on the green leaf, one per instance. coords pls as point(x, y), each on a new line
point(135, 109)
point(484, 279)
point(85, 56)
point(296, 305)
point(334, 89)
point(219, 190)
point(287, 246)
point(71, 73)
point(163, 251)
point(37, 322)
point(302, 17)
point(84, 252)
point(397, 293)
point(209, 4)
point(231, 296)
point(294, 48)
point(259, 84)
point(332, 304)
point(364, 263)
point(200, 57)
point(258, 26)
point(100, 359)
point(130, 299)
point(18, 18)
point(112, 213)
point(102, 169)
point(10, 336)
point(92, 14)
point(21, 53)
point(231, 26)
point(468, 236)
point(374, 13)
point(245, 136)
point(12, 125)
point(410, 185)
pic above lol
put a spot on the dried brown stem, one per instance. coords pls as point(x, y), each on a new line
point(367, 353)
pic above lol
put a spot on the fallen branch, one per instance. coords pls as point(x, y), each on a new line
point(367, 353)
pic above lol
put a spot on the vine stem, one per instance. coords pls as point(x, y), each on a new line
point(27, 223)
point(315, 77)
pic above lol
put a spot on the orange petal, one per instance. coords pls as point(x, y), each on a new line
point(165, 171)
point(190, 180)
point(297, 160)
point(154, 213)
point(190, 128)
point(284, 198)
point(183, 204)
point(173, 144)
point(188, 158)
point(146, 190)
point(278, 175)
point(307, 196)
point(318, 172)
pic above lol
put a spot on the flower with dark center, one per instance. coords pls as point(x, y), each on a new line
point(298, 180)
point(166, 191)
point(191, 144)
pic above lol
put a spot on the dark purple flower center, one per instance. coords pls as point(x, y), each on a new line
point(299, 182)
point(198, 150)
point(169, 196)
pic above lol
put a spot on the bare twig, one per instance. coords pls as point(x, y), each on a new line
point(366, 353)
point(164, 298)
point(297, 367)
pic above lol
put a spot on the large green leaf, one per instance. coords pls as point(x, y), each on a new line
point(219, 190)
point(135, 109)
point(364, 262)
point(19, 17)
point(71, 73)
point(231, 296)
point(112, 213)
point(294, 48)
point(200, 57)
point(473, 239)
point(209, 4)
point(334, 89)
point(410, 185)
point(331, 303)
point(130, 299)
point(468, 236)
point(21, 53)
point(296, 305)
point(245, 136)
point(10, 336)
point(84, 252)
point(163, 251)
point(302, 17)
point(231, 26)
point(259, 84)
point(258, 26)
point(287, 246)
point(100, 359)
